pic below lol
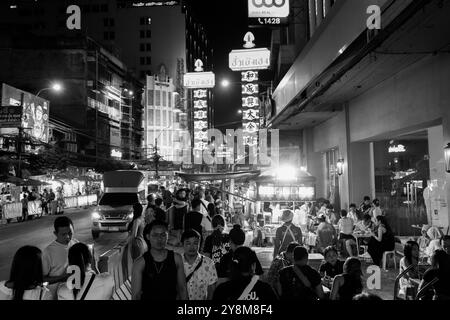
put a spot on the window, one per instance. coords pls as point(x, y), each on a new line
point(148, 33)
point(142, 46)
point(157, 97)
point(164, 100)
point(142, 60)
point(142, 33)
point(150, 97)
point(148, 60)
point(145, 21)
point(170, 99)
point(112, 35)
point(150, 121)
point(86, 8)
point(105, 22)
point(104, 8)
point(142, 74)
point(148, 47)
point(111, 22)
point(158, 117)
point(164, 118)
point(95, 8)
point(106, 35)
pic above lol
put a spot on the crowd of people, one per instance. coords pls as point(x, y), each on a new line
point(214, 263)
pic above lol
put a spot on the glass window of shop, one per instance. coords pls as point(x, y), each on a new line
point(401, 173)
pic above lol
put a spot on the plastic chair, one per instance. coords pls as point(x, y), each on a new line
point(385, 254)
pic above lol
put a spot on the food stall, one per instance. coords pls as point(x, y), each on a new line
point(277, 190)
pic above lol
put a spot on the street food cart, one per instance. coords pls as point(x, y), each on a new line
point(278, 190)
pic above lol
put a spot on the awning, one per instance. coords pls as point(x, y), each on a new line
point(21, 182)
point(203, 176)
point(271, 176)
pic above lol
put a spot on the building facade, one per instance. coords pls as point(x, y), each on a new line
point(95, 100)
point(372, 106)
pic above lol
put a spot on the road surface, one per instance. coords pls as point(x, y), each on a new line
point(39, 233)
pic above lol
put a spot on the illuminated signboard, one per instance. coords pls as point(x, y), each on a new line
point(200, 81)
point(269, 192)
point(397, 149)
point(116, 153)
point(250, 107)
point(249, 59)
point(268, 8)
point(194, 80)
point(34, 114)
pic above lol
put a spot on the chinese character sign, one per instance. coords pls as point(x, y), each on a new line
point(250, 107)
point(200, 119)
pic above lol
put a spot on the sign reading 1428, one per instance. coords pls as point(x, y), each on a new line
point(268, 9)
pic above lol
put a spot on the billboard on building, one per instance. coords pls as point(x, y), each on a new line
point(268, 12)
point(35, 112)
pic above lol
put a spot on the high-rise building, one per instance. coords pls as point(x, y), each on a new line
point(101, 99)
point(145, 35)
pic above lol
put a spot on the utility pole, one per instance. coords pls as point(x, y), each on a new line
point(19, 140)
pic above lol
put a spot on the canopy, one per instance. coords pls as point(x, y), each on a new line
point(22, 182)
point(270, 176)
point(204, 176)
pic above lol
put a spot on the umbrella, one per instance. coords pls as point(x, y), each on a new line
point(32, 183)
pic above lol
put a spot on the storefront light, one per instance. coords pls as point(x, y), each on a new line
point(340, 166)
point(447, 157)
point(286, 173)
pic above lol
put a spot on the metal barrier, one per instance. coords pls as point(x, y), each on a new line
point(12, 210)
point(34, 207)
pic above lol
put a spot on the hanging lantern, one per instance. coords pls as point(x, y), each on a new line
point(340, 166)
point(447, 158)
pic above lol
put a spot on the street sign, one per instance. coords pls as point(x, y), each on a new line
point(249, 59)
point(10, 116)
point(194, 80)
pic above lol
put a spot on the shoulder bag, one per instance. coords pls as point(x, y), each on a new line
point(85, 292)
point(249, 288)
point(196, 268)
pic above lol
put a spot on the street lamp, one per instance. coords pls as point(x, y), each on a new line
point(57, 87)
point(239, 111)
point(225, 83)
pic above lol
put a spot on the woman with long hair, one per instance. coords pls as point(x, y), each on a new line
point(411, 261)
point(92, 286)
point(438, 275)
point(349, 284)
point(26, 277)
point(382, 241)
point(137, 243)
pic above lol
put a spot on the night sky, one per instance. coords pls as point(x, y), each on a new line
point(226, 23)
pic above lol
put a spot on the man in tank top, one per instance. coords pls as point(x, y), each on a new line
point(159, 273)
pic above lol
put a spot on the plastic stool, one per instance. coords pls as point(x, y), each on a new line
point(385, 254)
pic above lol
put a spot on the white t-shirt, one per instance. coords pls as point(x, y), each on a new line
point(55, 258)
point(346, 225)
point(102, 288)
point(41, 293)
point(375, 213)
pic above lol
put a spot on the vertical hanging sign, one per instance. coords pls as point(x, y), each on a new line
point(200, 82)
point(248, 61)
